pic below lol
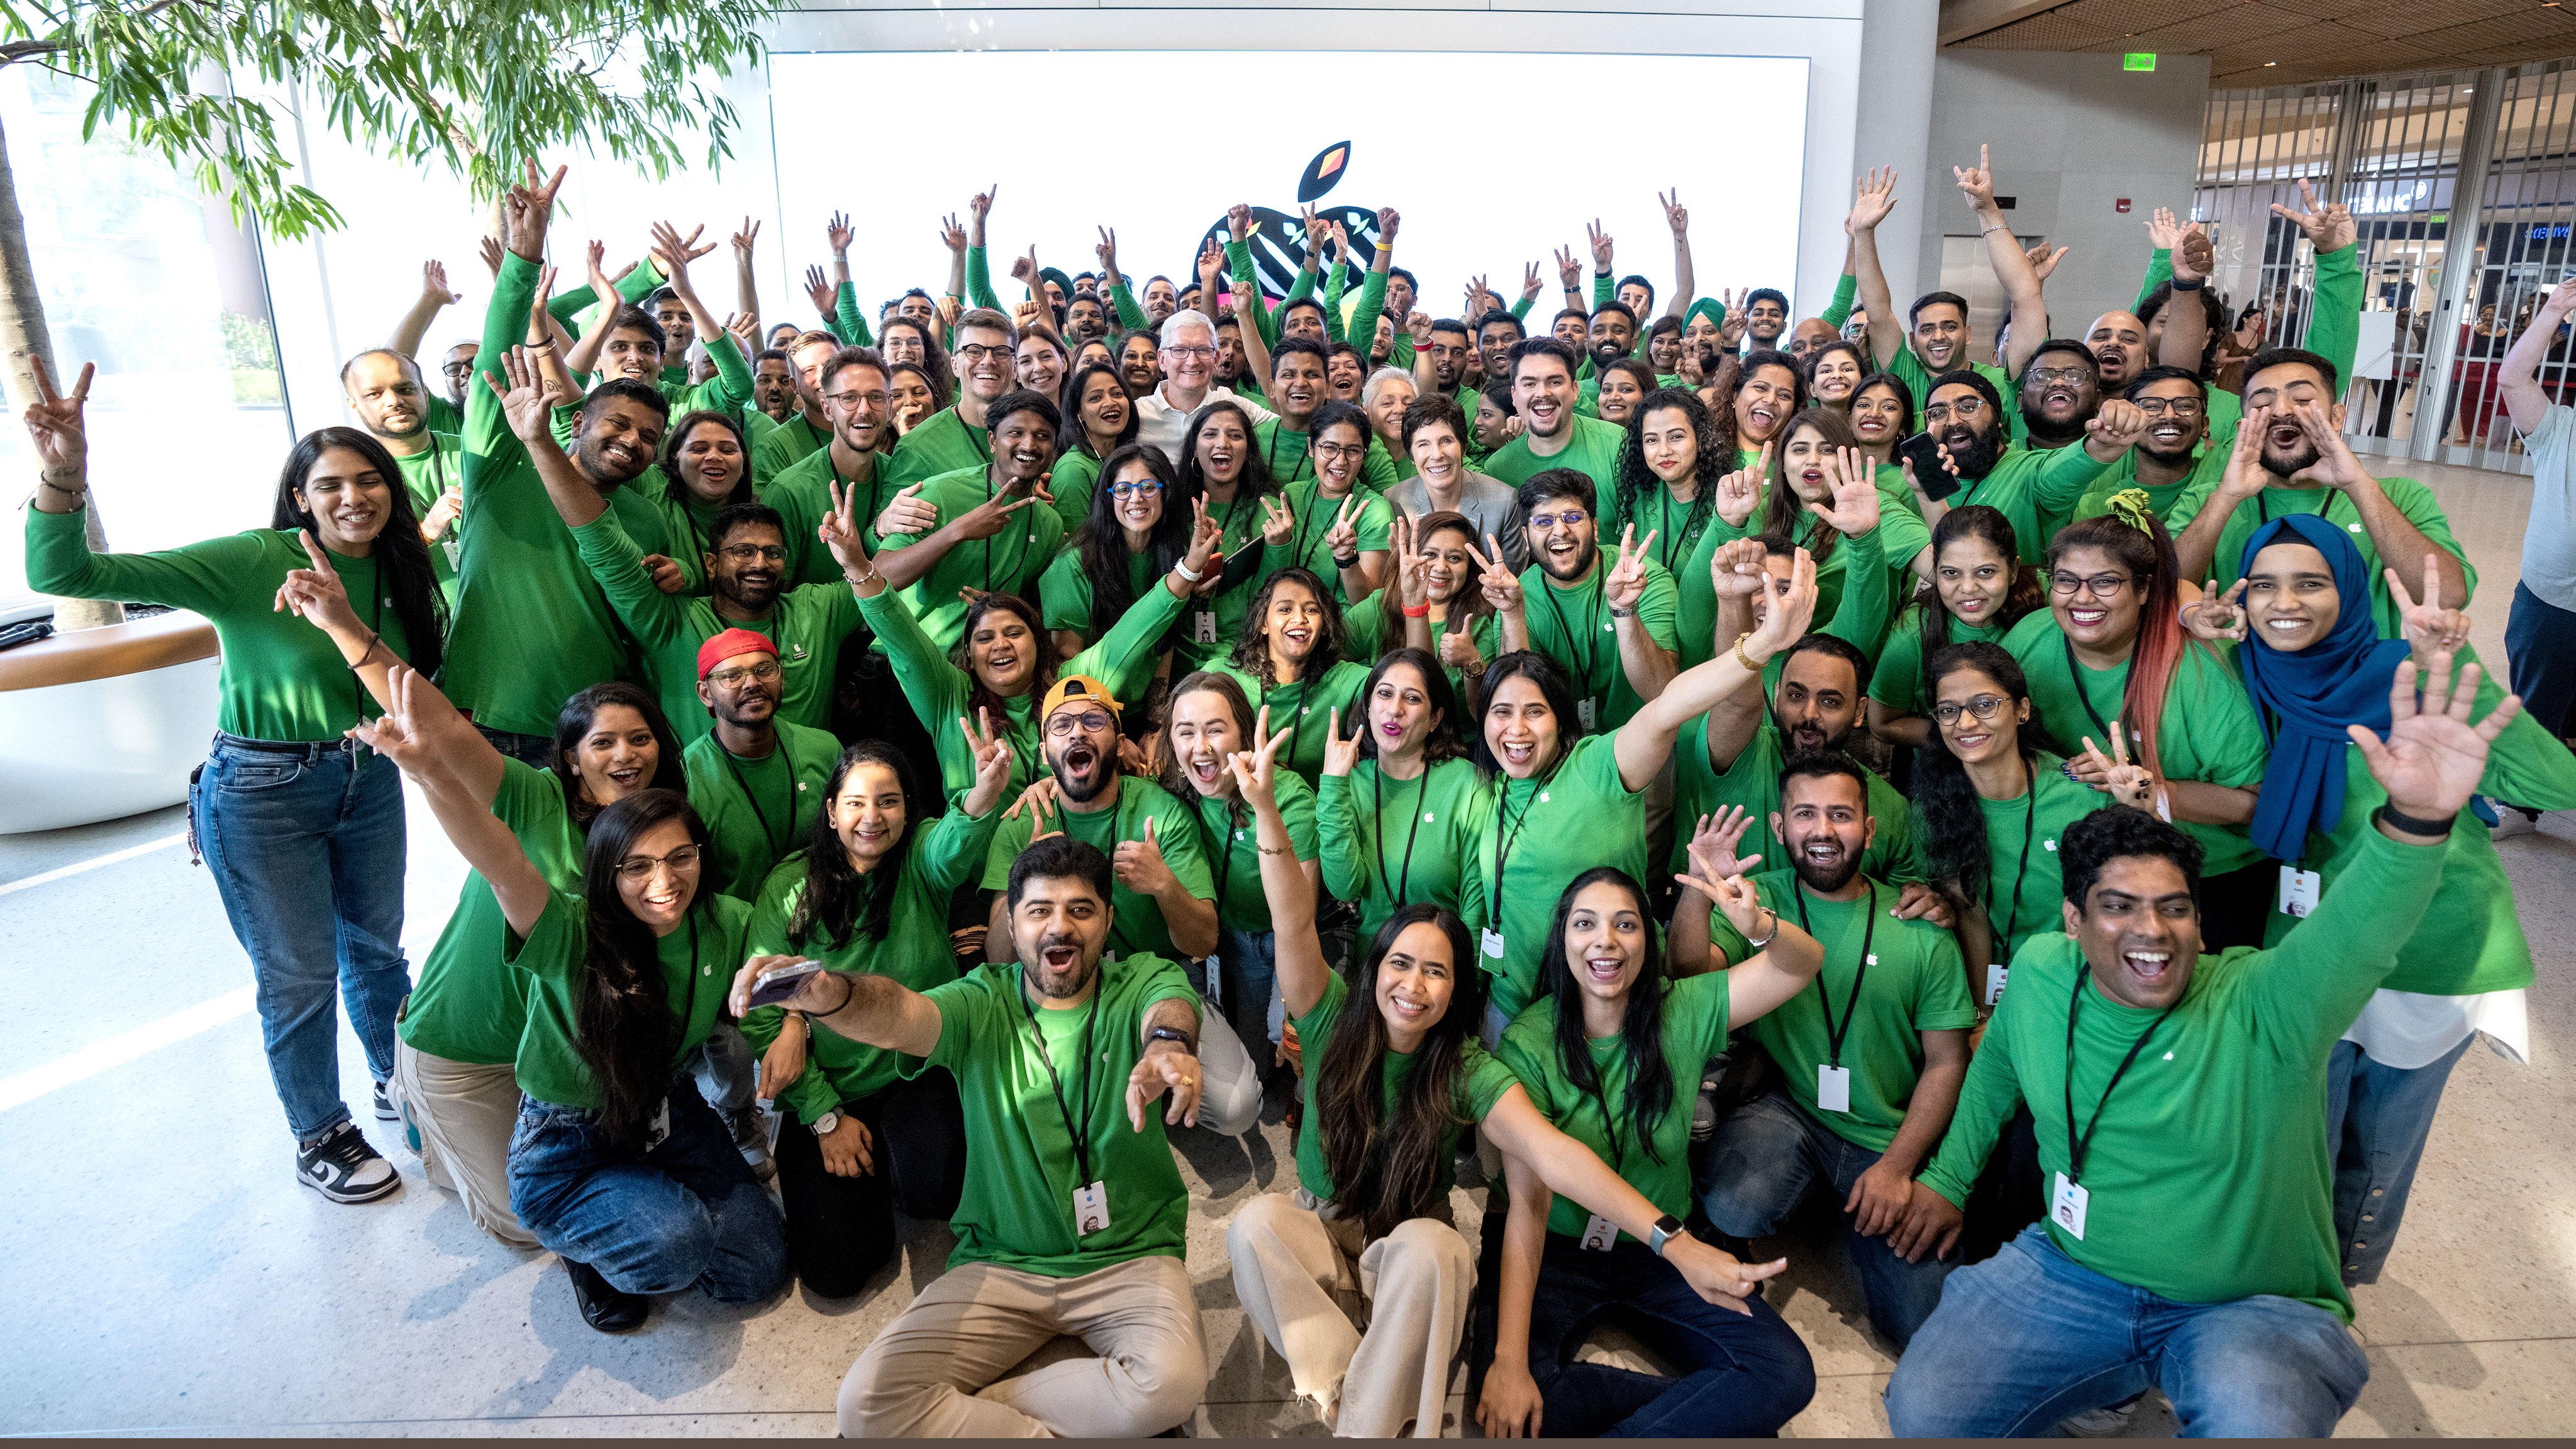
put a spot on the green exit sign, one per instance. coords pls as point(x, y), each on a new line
point(2138, 60)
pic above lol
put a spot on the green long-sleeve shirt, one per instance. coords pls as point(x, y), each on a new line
point(1839, 310)
point(1385, 842)
point(848, 322)
point(2208, 1176)
point(640, 282)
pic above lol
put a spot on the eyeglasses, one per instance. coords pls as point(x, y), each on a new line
point(1964, 409)
point(640, 867)
point(2183, 408)
point(1570, 518)
point(764, 672)
point(979, 352)
point(1177, 350)
point(848, 401)
point(748, 552)
point(1140, 485)
point(2101, 586)
point(1984, 707)
point(2046, 375)
point(1090, 721)
point(1340, 450)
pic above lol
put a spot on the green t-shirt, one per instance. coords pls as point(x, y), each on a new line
point(468, 1005)
point(1897, 682)
point(807, 624)
point(785, 445)
point(942, 694)
point(1913, 982)
point(1753, 782)
point(1311, 546)
point(1592, 449)
point(2209, 465)
point(1022, 1166)
point(698, 963)
point(1305, 708)
point(1572, 625)
point(802, 494)
point(2024, 884)
point(1480, 1082)
point(1387, 842)
point(2209, 731)
point(1230, 840)
point(427, 474)
point(1075, 478)
point(945, 854)
point(757, 810)
point(1694, 1030)
point(1138, 928)
point(940, 443)
point(1009, 562)
point(1064, 591)
point(282, 679)
point(686, 523)
point(2412, 499)
point(1532, 839)
point(2208, 1176)
point(2036, 491)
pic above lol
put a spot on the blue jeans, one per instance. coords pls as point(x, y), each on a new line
point(1248, 982)
point(2540, 643)
point(2377, 1118)
point(1747, 1375)
point(687, 1213)
point(307, 850)
point(1767, 1157)
point(537, 752)
point(2029, 1337)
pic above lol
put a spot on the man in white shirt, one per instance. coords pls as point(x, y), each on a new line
point(1189, 368)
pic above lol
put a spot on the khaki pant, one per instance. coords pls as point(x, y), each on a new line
point(1289, 1267)
point(936, 1371)
point(464, 1115)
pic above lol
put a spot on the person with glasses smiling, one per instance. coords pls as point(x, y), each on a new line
point(757, 780)
point(2036, 488)
point(1187, 351)
point(2174, 458)
point(957, 437)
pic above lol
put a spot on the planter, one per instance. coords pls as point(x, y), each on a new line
point(102, 723)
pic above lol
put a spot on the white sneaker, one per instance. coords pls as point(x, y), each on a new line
point(344, 1167)
point(751, 1137)
point(2107, 1422)
point(2513, 820)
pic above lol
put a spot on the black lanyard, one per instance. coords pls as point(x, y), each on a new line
point(1601, 1097)
point(1270, 458)
point(1851, 1004)
point(2083, 696)
point(2029, 817)
point(767, 832)
point(2076, 1146)
point(1077, 1131)
point(1502, 844)
point(1225, 861)
point(1592, 616)
point(1676, 543)
point(1404, 877)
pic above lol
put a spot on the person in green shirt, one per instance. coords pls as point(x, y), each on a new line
point(957, 436)
point(2179, 1101)
point(706, 469)
point(457, 1041)
point(2037, 489)
point(1291, 663)
point(1612, 1056)
point(1337, 524)
point(631, 342)
point(984, 533)
point(1978, 591)
point(2059, 392)
point(1583, 793)
point(1073, 1215)
point(1553, 435)
point(858, 407)
point(756, 779)
point(1870, 1062)
point(2289, 456)
point(2312, 660)
point(1136, 528)
point(1100, 418)
point(2109, 654)
point(1822, 493)
point(304, 832)
point(617, 1165)
point(1394, 1070)
point(1396, 805)
point(1936, 339)
point(1570, 598)
point(806, 428)
point(385, 391)
point(867, 894)
point(1221, 468)
point(2174, 458)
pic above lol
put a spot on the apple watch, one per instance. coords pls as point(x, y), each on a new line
point(1666, 1229)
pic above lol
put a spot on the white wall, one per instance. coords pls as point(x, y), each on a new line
point(2071, 134)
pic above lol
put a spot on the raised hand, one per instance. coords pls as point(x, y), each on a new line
point(1256, 771)
point(1739, 492)
point(1785, 622)
point(2043, 261)
point(839, 532)
point(1626, 582)
point(745, 239)
point(1139, 865)
point(528, 208)
point(1601, 245)
point(951, 235)
point(2164, 232)
point(673, 252)
point(489, 248)
point(2330, 227)
point(1458, 651)
point(56, 427)
point(419, 729)
point(1530, 285)
point(1317, 233)
point(1977, 182)
point(1853, 506)
point(2215, 616)
point(1278, 525)
point(1412, 570)
point(1341, 756)
point(1238, 221)
point(819, 290)
point(2434, 756)
point(2336, 467)
point(1417, 325)
point(1107, 250)
point(1207, 540)
point(2129, 784)
point(2428, 627)
point(1712, 845)
point(2195, 259)
point(1873, 197)
point(316, 594)
point(980, 205)
point(1024, 270)
point(1568, 270)
point(1211, 262)
point(992, 748)
point(531, 396)
point(838, 233)
point(1730, 329)
point(433, 283)
point(1735, 569)
point(2118, 424)
point(1343, 539)
point(2245, 475)
point(1501, 587)
point(1676, 215)
point(1388, 221)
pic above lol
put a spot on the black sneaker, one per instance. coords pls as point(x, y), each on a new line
point(344, 1168)
point(385, 1103)
point(602, 1306)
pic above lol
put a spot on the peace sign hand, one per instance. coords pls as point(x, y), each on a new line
point(745, 239)
point(839, 532)
point(1601, 246)
point(991, 516)
point(56, 426)
point(1502, 588)
point(2427, 626)
point(1568, 270)
point(992, 748)
point(317, 595)
point(1278, 525)
point(1341, 756)
point(528, 208)
point(2129, 784)
point(2330, 227)
point(1740, 491)
point(2215, 616)
point(1107, 249)
point(1675, 214)
point(1530, 285)
point(1207, 536)
point(1627, 579)
point(1343, 539)
point(2434, 757)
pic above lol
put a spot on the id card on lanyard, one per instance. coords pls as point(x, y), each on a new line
point(2068, 1199)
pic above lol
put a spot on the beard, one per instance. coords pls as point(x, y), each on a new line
point(2283, 464)
point(1067, 981)
point(1605, 353)
point(1082, 772)
point(1826, 878)
point(1975, 450)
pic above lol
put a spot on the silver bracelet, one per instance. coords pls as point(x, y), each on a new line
point(1765, 943)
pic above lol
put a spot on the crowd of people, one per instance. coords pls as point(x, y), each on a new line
point(841, 720)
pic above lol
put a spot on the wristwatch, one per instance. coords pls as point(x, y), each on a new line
point(827, 1123)
point(1666, 1229)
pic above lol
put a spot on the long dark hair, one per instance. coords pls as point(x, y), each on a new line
point(1716, 458)
point(1253, 482)
point(1467, 608)
point(1946, 813)
point(1076, 438)
point(1441, 741)
point(1783, 511)
point(576, 720)
point(2147, 552)
point(1102, 542)
point(1641, 1022)
point(934, 360)
point(1904, 395)
point(623, 1028)
point(1978, 521)
point(677, 491)
point(1386, 1171)
point(401, 558)
point(840, 905)
point(1042, 645)
point(1332, 636)
point(1553, 685)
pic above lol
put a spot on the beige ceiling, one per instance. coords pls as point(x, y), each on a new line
point(2276, 42)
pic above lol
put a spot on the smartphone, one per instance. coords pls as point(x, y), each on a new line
point(1936, 481)
point(778, 983)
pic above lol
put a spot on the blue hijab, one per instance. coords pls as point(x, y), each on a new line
point(2307, 698)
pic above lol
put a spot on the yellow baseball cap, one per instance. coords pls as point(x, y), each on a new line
point(1078, 689)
